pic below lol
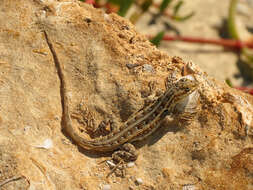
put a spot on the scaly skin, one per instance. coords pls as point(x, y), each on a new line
point(138, 126)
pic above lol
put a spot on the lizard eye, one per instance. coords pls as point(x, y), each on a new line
point(187, 89)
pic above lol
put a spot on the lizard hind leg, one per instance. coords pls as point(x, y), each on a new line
point(127, 153)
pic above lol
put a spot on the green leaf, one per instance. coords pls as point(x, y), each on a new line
point(177, 7)
point(229, 83)
point(146, 4)
point(245, 64)
point(231, 20)
point(164, 5)
point(124, 6)
point(183, 18)
point(158, 38)
point(116, 2)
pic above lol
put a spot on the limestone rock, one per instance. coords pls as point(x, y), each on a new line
point(111, 71)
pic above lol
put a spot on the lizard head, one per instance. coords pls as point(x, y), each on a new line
point(186, 85)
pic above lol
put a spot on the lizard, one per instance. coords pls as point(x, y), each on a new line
point(139, 125)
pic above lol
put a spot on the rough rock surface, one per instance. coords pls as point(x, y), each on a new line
point(111, 71)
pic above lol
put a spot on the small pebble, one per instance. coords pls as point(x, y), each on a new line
point(110, 163)
point(47, 144)
point(106, 187)
point(148, 68)
point(190, 77)
point(130, 66)
point(57, 118)
point(139, 181)
point(188, 187)
point(27, 128)
point(107, 17)
point(43, 14)
point(130, 164)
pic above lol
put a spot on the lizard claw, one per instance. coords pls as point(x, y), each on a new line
point(127, 153)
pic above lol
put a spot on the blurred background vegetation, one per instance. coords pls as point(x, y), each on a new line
point(224, 48)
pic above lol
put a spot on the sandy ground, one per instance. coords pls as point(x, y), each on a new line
point(209, 15)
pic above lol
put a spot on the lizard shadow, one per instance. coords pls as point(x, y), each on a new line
point(88, 153)
point(165, 127)
point(93, 153)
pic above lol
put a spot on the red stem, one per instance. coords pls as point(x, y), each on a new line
point(245, 89)
point(236, 44)
point(90, 2)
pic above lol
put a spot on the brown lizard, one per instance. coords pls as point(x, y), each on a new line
point(138, 126)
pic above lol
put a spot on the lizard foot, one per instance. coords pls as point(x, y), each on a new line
point(127, 153)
